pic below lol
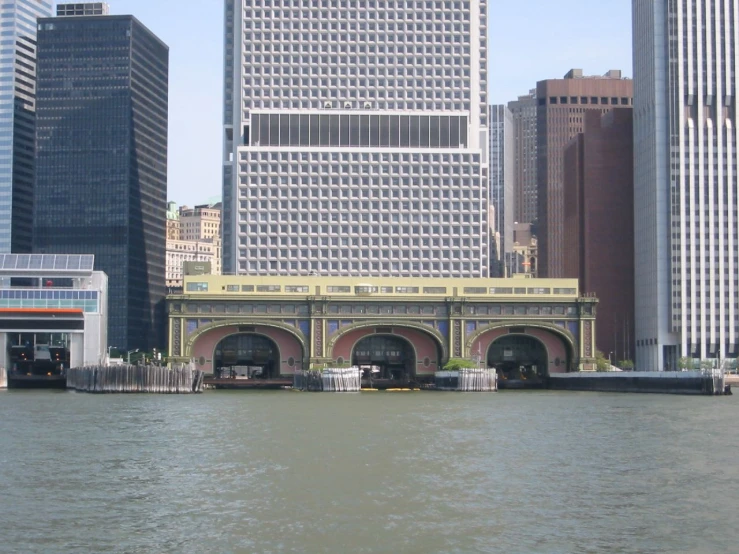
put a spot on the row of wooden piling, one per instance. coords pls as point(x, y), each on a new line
point(347, 379)
point(3, 378)
point(468, 380)
point(184, 379)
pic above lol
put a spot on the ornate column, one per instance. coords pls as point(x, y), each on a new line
point(318, 307)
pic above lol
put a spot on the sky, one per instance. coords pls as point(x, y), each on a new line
point(530, 40)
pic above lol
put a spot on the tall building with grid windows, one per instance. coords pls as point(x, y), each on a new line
point(525, 185)
point(501, 172)
point(355, 138)
point(686, 75)
point(17, 120)
point(101, 180)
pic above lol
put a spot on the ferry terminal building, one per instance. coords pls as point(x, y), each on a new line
point(402, 327)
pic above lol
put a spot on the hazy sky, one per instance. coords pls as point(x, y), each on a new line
point(530, 40)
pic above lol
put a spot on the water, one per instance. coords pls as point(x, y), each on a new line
point(279, 472)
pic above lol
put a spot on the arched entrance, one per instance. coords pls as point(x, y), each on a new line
point(385, 357)
point(520, 360)
point(247, 355)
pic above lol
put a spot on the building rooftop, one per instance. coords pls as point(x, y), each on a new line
point(80, 9)
point(46, 264)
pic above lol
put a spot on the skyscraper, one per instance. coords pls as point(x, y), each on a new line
point(685, 181)
point(502, 178)
point(599, 224)
point(523, 112)
point(102, 161)
point(356, 138)
point(561, 104)
point(17, 120)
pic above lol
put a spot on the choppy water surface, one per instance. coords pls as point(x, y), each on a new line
point(230, 472)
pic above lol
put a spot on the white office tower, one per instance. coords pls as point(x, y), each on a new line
point(356, 138)
point(685, 179)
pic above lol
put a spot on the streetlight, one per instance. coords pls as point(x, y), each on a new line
point(609, 360)
point(128, 354)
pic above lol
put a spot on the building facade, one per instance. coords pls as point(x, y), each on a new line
point(502, 162)
point(413, 326)
point(181, 251)
point(355, 139)
point(685, 181)
point(525, 255)
point(56, 301)
point(17, 120)
point(174, 230)
point(561, 107)
point(525, 184)
point(193, 235)
point(102, 161)
point(599, 224)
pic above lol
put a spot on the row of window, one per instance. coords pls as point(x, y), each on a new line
point(598, 100)
point(350, 130)
point(399, 160)
point(370, 289)
point(87, 306)
point(48, 294)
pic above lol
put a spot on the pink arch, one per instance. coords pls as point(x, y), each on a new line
point(288, 345)
point(555, 345)
point(424, 345)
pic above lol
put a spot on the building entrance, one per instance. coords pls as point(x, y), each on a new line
point(247, 356)
point(519, 360)
point(385, 357)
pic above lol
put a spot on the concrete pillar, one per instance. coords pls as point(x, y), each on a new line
point(76, 350)
point(4, 359)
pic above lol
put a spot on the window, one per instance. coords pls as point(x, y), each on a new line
point(247, 288)
point(501, 290)
point(232, 288)
point(268, 288)
point(434, 290)
point(540, 290)
point(565, 291)
point(338, 289)
point(197, 287)
point(296, 288)
point(407, 290)
point(475, 290)
point(365, 290)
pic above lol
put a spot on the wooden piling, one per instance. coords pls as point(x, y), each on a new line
point(3, 378)
point(344, 379)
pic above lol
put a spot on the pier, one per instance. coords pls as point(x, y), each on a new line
point(710, 382)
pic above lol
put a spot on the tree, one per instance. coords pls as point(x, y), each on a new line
point(708, 364)
point(685, 363)
point(626, 365)
point(455, 364)
point(601, 362)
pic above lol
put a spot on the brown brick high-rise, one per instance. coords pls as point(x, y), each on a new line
point(599, 224)
point(562, 104)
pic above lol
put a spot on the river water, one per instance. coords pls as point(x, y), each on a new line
point(279, 472)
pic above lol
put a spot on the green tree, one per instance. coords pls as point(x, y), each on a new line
point(455, 364)
point(685, 363)
point(626, 365)
point(708, 364)
point(601, 362)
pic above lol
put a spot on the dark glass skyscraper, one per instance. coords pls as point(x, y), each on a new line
point(17, 119)
point(101, 178)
